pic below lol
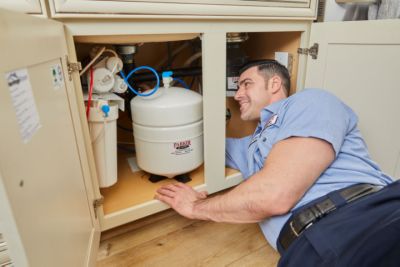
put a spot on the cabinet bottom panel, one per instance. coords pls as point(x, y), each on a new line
point(134, 188)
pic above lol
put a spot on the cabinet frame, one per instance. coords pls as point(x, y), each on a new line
point(214, 72)
point(298, 9)
point(32, 7)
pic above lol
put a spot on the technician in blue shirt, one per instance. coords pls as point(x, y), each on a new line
point(310, 182)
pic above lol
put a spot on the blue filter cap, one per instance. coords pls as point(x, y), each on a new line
point(167, 74)
point(105, 109)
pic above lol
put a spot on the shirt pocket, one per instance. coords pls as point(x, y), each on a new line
point(267, 140)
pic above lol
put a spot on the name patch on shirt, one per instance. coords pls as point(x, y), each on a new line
point(271, 121)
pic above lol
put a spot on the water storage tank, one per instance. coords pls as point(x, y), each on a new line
point(168, 131)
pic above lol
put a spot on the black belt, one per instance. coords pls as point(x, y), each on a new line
point(310, 215)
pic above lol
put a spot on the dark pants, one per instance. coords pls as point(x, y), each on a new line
point(363, 233)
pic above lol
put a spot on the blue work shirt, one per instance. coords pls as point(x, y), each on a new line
point(309, 113)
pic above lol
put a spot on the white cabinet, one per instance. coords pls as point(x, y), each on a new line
point(52, 179)
point(184, 9)
point(44, 211)
point(33, 7)
point(359, 62)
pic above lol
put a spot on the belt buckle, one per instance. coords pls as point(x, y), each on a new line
point(302, 230)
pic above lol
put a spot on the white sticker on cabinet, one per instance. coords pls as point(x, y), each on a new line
point(57, 76)
point(24, 103)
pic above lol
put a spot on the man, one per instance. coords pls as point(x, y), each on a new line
point(310, 182)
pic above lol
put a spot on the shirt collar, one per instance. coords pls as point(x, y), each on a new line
point(270, 110)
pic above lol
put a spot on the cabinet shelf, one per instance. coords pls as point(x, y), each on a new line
point(134, 188)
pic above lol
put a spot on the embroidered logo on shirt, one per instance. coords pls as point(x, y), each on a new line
point(271, 121)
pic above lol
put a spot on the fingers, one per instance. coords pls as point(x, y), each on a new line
point(171, 192)
point(181, 185)
point(172, 187)
point(166, 199)
point(166, 192)
point(175, 187)
point(203, 194)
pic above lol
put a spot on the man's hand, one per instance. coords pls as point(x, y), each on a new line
point(180, 197)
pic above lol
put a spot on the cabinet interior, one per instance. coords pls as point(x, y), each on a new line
point(263, 45)
point(134, 188)
point(162, 52)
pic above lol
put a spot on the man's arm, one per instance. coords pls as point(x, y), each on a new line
point(236, 154)
point(291, 168)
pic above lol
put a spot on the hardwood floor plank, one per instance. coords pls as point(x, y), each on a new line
point(246, 239)
point(176, 241)
point(140, 236)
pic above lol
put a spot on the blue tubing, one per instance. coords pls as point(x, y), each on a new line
point(126, 78)
point(182, 82)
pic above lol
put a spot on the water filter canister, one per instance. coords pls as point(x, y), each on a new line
point(103, 133)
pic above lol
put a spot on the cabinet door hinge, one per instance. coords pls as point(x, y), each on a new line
point(97, 203)
point(72, 67)
point(312, 51)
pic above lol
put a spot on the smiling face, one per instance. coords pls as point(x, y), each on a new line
point(256, 91)
point(253, 94)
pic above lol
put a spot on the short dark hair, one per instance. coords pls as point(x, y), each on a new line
point(268, 68)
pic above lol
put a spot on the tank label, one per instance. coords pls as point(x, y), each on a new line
point(182, 147)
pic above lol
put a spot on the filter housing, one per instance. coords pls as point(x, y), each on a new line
point(168, 131)
point(103, 133)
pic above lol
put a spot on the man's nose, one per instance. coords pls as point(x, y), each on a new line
point(238, 93)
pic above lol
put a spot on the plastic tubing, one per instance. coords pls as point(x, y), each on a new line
point(89, 93)
point(191, 59)
point(98, 54)
point(182, 82)
point(126, 78)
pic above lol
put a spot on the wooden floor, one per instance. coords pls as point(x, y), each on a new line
point(167, 239)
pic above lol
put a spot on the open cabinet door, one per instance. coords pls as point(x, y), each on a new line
point(360, 63)
point(44, 212)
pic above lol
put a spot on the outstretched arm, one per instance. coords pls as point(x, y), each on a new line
point(292, 166)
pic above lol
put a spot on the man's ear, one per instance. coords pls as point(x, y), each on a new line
point(275, 84)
